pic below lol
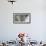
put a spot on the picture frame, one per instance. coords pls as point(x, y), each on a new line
point(21, 18)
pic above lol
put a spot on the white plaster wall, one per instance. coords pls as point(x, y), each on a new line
point(37, 28)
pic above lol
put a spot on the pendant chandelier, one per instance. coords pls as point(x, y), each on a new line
point(12, 1)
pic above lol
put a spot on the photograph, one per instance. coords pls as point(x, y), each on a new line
point(21, 18)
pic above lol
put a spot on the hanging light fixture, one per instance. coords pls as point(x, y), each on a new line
point(12, 1)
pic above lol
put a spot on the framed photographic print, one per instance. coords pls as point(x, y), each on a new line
point(21, 18)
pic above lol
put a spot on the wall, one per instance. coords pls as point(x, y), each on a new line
point(37, 28)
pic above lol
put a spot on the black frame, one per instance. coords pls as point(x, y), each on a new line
point(16, 22)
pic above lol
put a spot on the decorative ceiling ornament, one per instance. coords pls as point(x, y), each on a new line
point(12, 1)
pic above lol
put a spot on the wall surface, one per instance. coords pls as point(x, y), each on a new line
point(37, 28)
